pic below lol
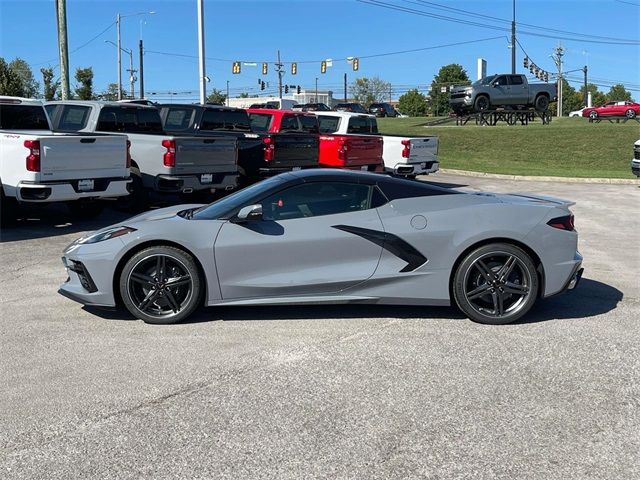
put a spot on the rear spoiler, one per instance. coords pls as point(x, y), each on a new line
point(544, 199)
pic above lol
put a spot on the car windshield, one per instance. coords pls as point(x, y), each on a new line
point(484, 80)
point(228, 205)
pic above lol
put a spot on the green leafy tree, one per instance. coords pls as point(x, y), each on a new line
point(452, 74)
point(243, 95)
point(413, 103)
point(597, 97)
point(84, 77)
point(618, 93)
point(50, 86)
point(571, 100)
point(216, 96)
point(29, 83)
point(111, 93)
point(10, 83)
point(369, 90)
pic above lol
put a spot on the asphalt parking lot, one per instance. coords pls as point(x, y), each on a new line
point(326, 392)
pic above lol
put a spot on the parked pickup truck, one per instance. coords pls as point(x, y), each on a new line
point(40, 166)
point(347, 140)
point(160, 162)
point(635, 161)
point(261, 154)
point(502, 90)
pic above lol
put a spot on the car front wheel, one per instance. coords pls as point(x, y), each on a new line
point(496, 284)
point(161, 285)
point(593, 114)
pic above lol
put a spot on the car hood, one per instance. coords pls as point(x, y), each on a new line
point(160, 214)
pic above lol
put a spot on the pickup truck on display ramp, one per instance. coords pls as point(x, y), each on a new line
point(502, 90)
point(38, 165)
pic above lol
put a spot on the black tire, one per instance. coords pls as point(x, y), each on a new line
point(631, 113)
point(481, 103)
point(138, 198)
point(161, 285)
point(496, 284)
point(541, 103)
point(593, 114)
point(85, 209)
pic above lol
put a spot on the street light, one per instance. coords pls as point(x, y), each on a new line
point(118, 19)
point(131, 71)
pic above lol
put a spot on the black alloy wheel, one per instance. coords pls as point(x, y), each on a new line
point(496, 284)
point(161, 285)
point(482, 103)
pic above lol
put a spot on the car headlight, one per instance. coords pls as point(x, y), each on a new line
point(103, 235)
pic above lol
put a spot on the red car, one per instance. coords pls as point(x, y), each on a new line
point(626, 109)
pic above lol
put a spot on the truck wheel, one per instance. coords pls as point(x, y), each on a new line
point(138, 198)
point(542, 103)
point(85, 209)
point(481, 103)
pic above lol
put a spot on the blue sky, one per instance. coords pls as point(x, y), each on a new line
point(309, 31)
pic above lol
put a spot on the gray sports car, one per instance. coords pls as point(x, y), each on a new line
point(333, 236)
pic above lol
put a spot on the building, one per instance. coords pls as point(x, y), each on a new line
point(305, 96)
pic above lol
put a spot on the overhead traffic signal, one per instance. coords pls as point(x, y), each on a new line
point(355, 64)
point(236, 68)
point(526, 62)
point(286, 89)
point(262, 84)
point(265, 68)
point(323, 66)
point(298, 89)
point(294, 68)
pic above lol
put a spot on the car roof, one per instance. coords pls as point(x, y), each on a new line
point(100, 103)
point(277, 111)
point(342, 114)
point(207, 106)
point(5, 99)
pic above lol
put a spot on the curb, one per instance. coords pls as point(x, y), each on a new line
point(530, 178)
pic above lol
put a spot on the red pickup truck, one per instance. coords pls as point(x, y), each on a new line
point(346, 142)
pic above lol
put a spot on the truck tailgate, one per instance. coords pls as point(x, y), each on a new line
point(205, 154)
point(294, 150)
point(359, 150)
point(73, 156)
point(423, 149)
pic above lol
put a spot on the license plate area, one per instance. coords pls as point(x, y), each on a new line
point(206, 178)
point(364, 167)
point(295, 169)
point(85, 185)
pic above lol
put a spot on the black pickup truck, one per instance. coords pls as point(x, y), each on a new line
point(260, 154)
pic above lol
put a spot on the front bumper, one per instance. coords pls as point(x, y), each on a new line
point(460, 101)
point(63, 191)
point(635, 167)
point(90, 274)
point(195, 182)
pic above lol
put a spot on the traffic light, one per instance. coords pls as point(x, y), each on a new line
point(546, 76)
point(298, 89)
point(262, 85)
point(531, 68)
point(265, 68)
point(323, 66)
point(236, 68)
point(294, 68)
point(356, 64)
point(526, 62)
point(286, 89)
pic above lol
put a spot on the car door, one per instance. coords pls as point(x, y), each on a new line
point(500, 94)
point(519, 91)
point(303, 245)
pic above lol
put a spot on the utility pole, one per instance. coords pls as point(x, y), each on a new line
point(132, 78)
point(280, 74)
point(201, 69)
point(389, 93)
point(63, 47)
point(227, 102)
point(557, 58)
point(345, 88)
point(513, 40)
point(584, 69)
point(119, 57)
point(141, 70)
point(317, 91)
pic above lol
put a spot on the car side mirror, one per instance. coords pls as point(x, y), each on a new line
point(250, 212)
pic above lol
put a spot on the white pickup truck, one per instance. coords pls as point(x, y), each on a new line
point(159, 162)
point(402, 154)
point(40, 166)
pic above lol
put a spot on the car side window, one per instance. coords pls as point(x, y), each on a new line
point(516, 80)
point(317, 199)
point(501, 80)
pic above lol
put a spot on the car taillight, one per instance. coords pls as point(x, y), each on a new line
point(563, 223)
point(169, 157)
point(406, 151)
point(343, 148)
point(33, 159)
point(269, 149)
point(128, 154)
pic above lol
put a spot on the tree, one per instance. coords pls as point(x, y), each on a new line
point(571, 100)
point(84, 76)
point(111, 93)
point(243, 95)
point(597, 97)
point(50, 87)
point(369, 90)
point(618, 94)
point(413, 103)
point(452, 74)
point(29, 83)
point(10, 83)
point(216, 96)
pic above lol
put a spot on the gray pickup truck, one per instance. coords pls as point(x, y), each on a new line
point(160, 161)
point(502, 90)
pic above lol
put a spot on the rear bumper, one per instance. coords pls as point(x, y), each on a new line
point(569, 273)
point(423, 168)
point(195, 182)
point(63, 191)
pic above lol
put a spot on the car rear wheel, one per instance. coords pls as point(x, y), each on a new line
point(161, 285)
point(593, 114)
point(630, 113)
point(542, 103)
point(496, 284)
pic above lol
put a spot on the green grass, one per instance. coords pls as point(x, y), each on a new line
point(567, 147)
